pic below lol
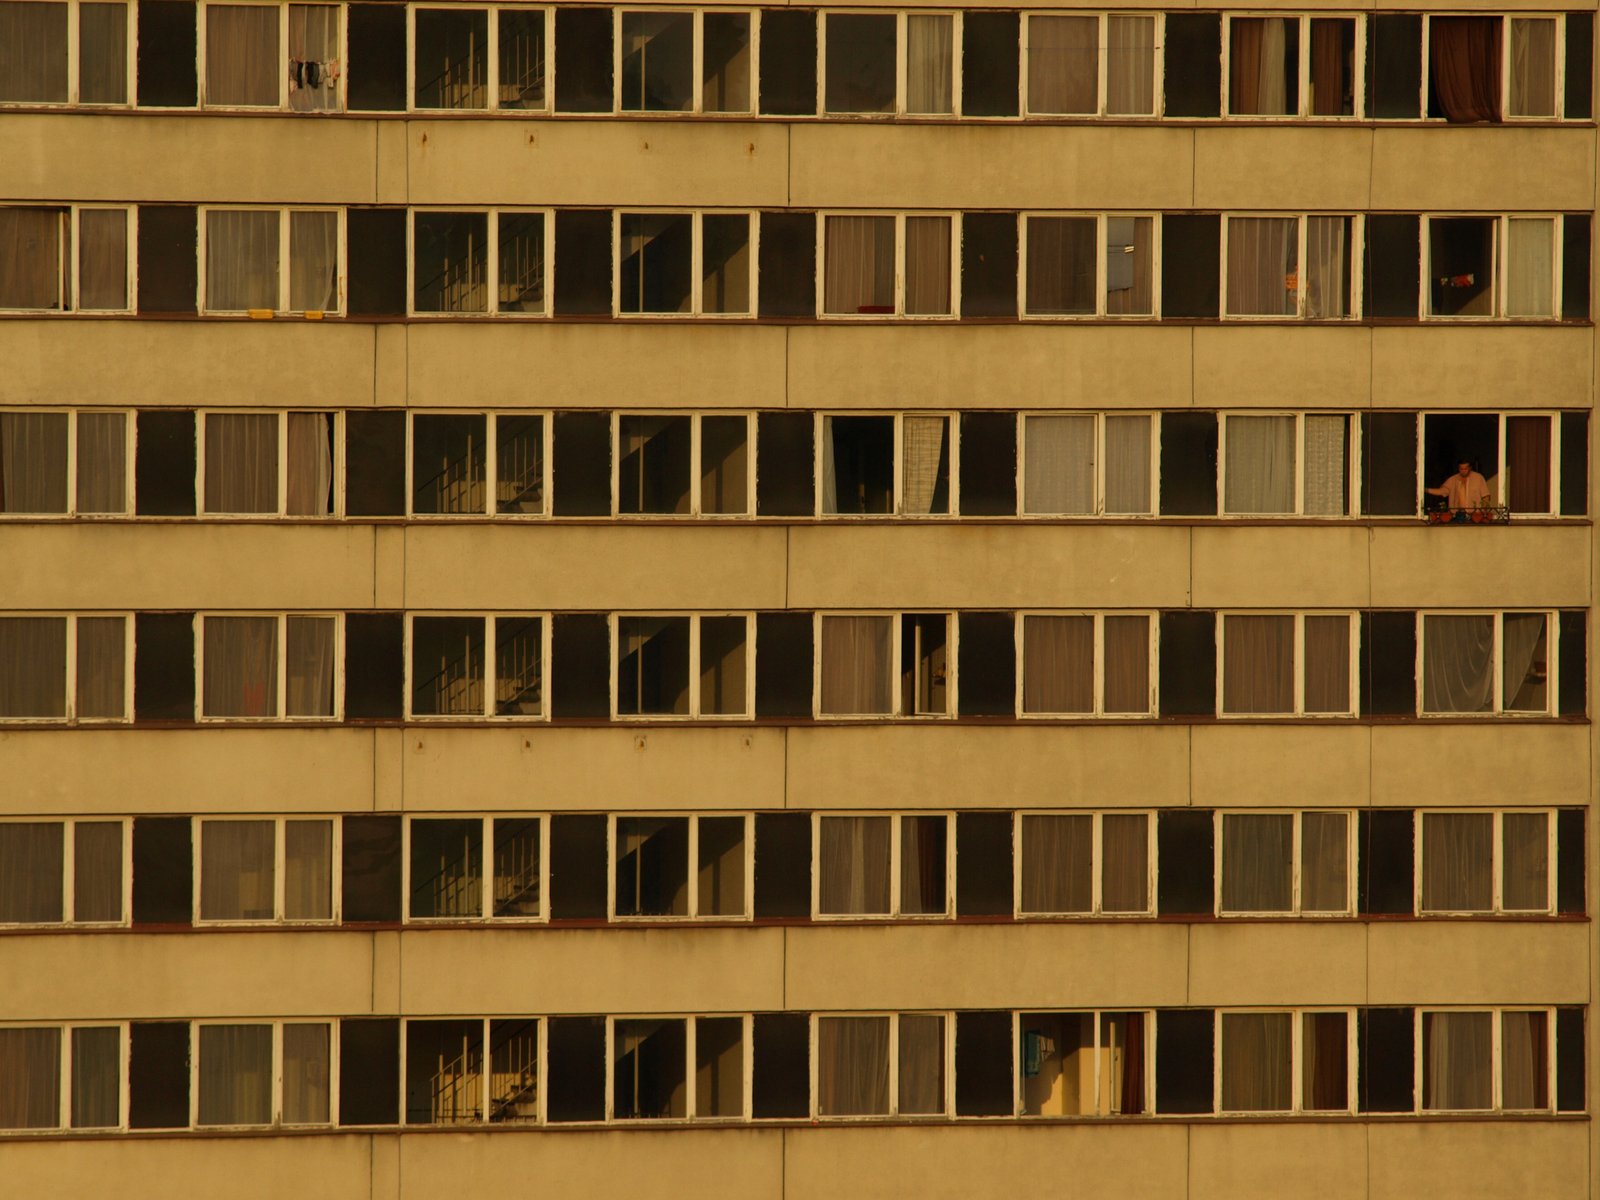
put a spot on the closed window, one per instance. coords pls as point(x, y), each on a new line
point(659, 61)
point(38, 477)
point(1488, 266)
point(1086, 664)
point(244, 66)
point(1291, 267)
point(68, 259)
point(472, 867)
point(265, 260)
point(36, 857)
point(1487, 663)
point(268, 464)
point(37, 65)
point(862, 55)
point(272, 869)
point(1084, 863)
point(1284, 1062)
point(1489, 68)
point(1087, 464)
point(883, 265)
point(693, 867)
point(36, 683)
point(1088, 266)
point(1286, 863)
point(684, 264)
point(1086, 64)
point(477, 464)
point(679, 465)
point(475, 666)
point(491, 262)
point(1084, 1063)
point(1479, 862)
point(883, 865)
point(889, 1064)
point(672, 1068)
point(1287, 464)
point(856, 665)
point(1293, 66)
point(479, 58)
point(1287, 663)
point(684, 666)
point(269, 667)
point(885, 465)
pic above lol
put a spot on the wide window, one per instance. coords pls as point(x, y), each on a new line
point(267, 464)
point(37, 683)
point(883, 265)
point(1084, 1064)
point(693, 867)
point(883, 865)
point(474, 666)
point(892, 1064)
point(1487, 663)
point(1087, 464)
point(1479, 862)
point(446, 861)
point(671, 1068)
point(267, 259)
point(1513, 460)
point(1285, 464)
point(1088, 266)
point(1484, 266)
point(479, 58)
point(269, 667)
point(1284, 1062)
point(684, 263)
point(1489, 68)
point(678, 62)
point(884, 465)
point(1286, 863)
point(685, 666)
point(680, 465)
point(1291, 267)
point(483, 262)
point(1086, 664)
point(1084, 863)
point(35, 885)
point(862, 63)
point(236, 1071)
point(445, 1076)
point(477, 464)
point(1287, 663)
point(857, 657)
point(36, 62)
point(273, 869)
point(70, 259)
point(1293, 66)
point(1086, 64)
point(38, 475)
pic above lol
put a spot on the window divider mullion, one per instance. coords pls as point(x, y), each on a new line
point(280, 870)
point(694, 665)
point(490, 684)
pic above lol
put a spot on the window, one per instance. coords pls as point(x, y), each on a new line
point(235, 1073)
point(262, 260)
point(1087, 64)
point(445, 1077)
point(1084, 863)
point(475, 666)
point(1286, 664)
point(654, 673)
point(658, 53)
point(38, 1095)
point(657, 257)
point(1493, 266)
point(1087, 464)
point(244, 674)
point(1481, 71)
point(1083, 1064)
point(1491, 663)
point(1291, 267)
point(890, 1064)
point(69, 259)
point(1466, 1053)
point(54, 872)
point(1287, 464)
point(672, 1068)
point(68, 463)
point(856, 656)
point(479, 58)
point(1285, 1062)
point(861, 63)
point(485, 262)
point(886, 465)
point(460, 460)
point(1086, 664)
point(446, 856)
point(1088, 266)
point(1481, 862)
point(681, 465)
point(1513, 460)
point(1285, 863)
point(1293, 66)
point(36, 63)
point(58, 668)
point(273, 869)
point(268, 464)
point(243, 64)
point(887, 265)
point(695, 867)
point(883, 865)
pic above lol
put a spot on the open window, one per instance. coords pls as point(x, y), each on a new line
point(1087, 464)
point(267, 869)
point(1287, 464)
point(444, 1072)
point(1513, 460)
point(857, 656)
point(263, 1073)
point(1087, 664)
point(1084, 1064)
point(862, 69)
point(39, 1095)
point(888, 265)
point(679, 62)
point(649, 1068)
point(1492, 68)
point(883, 866)
point(1082, 864)
point(39, 477)
point(1088, 266)
point(1476, 1060)
point(73, 258)
point(492, 262)
point(39, 889)
point(1294, 66)
point(890, 1064)
point(1487, 663)
point(685, 263)
point(1298, 862)
point(269, 667)
point(684, 666)
point(267, 464)
point(1291, 267)
point(466, 868)
point(1087, 64)
point(37, 683)
point(886, 465)
point(1485, 862)
point(264, 260)
point(475, 666)
point(1486, 266)
point(1285, 1061)
point(479, 58)
point(477, 464)
point(695, 867)
point(1287, 664)
point(680, 465)
point(63, 53)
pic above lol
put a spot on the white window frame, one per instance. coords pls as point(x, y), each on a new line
point(491, 284)
point(1152, 637)
point(1497, 1035)
point(899, 313)
point(488, 617)
point(336, 462)
point(276, 1024)
point(697, 217)
point(1502, 463)
point(1502, 265)
point(541, 1077)
point(129, 438)
point(1497, 851)
point(1497, 710)
point(1100, 418)
point(697, 67)
point(896, 866)
point(690, 1094)
point(491, 474)
point(491, 77)
point(696, 432)
point(1100, 1049)
point(486, 899)
point(282, 715)
point(63, 1125)
point(285, 259)
point(693, 867)
point(69, 865)
point(1101, 270)
point(279, 871)
point(70, 692)
point(1296, 862)
point(74, 57)
point(1298, 712)
point(1505, 63)
point(901, 49)
point(1303, 87)
point(952, 648)
point(1097, 864)
point(1103, 87)
point(694, 713)
point(1352, 465)
point(1297, 1099)
point(1357, 241)
point(67, 261)
point(893, 1055)
point(952, 436)
point(202, 66)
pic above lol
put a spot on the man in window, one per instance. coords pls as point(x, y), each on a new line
point(1465, 489)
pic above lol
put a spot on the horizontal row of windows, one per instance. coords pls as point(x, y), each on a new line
point(790, 62)
point(374, 262)
point(722, 464)
point(790, 1066)
point(736, 867)
point(846, 666)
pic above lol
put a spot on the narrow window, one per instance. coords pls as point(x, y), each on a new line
point(725, 261)
point(725, 62)
point(649, 1069)
point(31, 1098)
point(313, 261)
point(31, 872)
point(860, 56)
point(722, 667)
point(519, 464)
point(518, 873)
point(308, 871)
point(513, 1070)
point(1325, 862)
point(720, 871)
point(1457, 1061)
point(1530, 267)
point(314, 57)
point(1264, 64)
point(1525, 652)
point(452, 58)
point(1524, 1060)
point(1528, 464)
point(656, 271)
point(309, 450)
point(1461, 258)
point(235, 1075)
point(237, 874)
point(1129, 268)
point(243, 65)
point(924, 664)
point(856, 671)
point(1325, 1062)
point(852, 1065)
point(1524, 862)
point(653, 471)
point(449, 463)
point(33, 667)
point(1064, 65)
point(102, 53)
point(450, 252)
point(33, 459)
point(1333, 67)
point(96, 1077)
point(927, 266)
point(33, 274)
point(522, 68)
point(307, 1091)
point(102, 477)
point(446, 862)
point(241, 462)
point(444, 1072)
point(657, 62)
point(97, 872)
point(930, 64)
point(725, 465)
point(1257, 1062)
point(1464, 64)
point(242, 257)
point(102, 251)
point(719, 1066)
point(1131, 65)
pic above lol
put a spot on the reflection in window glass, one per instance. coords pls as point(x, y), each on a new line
point(725, 70)
point(452, 59)
point(860, 54)
point(657, 62)
point(451, 262)
point(655, 268)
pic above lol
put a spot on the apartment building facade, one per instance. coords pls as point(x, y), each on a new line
point(794, 602)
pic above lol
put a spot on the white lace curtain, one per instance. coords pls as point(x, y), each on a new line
point(241, 667)
point(1060, 466)
point(31, 872)
point(1457, 663)
point(1256, 1062)
point(237, 879)
point(33, 667)
point(1058, 864)
point(924, 450)
point(1130, 65)
point(241, 259)
point(1257, 862)
point(241, 472)
point(858, 273)
point(1064, 64)
point(1530, 267)
point(855, 665)
point(243, 65)
point(235, 1075)
point(852, 1066)
point(854, 865)
point(30, 1078)
point(1457, 1060)
point(1326, 472)
point(314, 39)
point(102, 483)
point(33, 462)
point(1260, 463)
point(1257, 664)
point(1457, 862)
point(32, 253)
point(313, 261)
point(930, 74)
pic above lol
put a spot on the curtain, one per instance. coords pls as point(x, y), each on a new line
point(852, 1066)
point(102, 483)
point(1457, 664)
point(1530, 267)
point(1259, 84)
point(1457, 1060)
point(923, 861)
point(103, 258)
point(930, 44)
point(241, 259)
point(1060, 465)
point(1324, 862)
point(1257, 862)
point(307, 870)
point(1327, 267)
point(1525, 862)
point(858, 274)
point(241, 667)
point(33, 667)
point(1457, 858)
point(235, 1075)
point(924, 452)
point(1128, 271)
point(854, 861)
point(1533, 67)
point(1126, 1038)
point(1263, 265)
point(96, 1076)
point(1058, 864)
point(1258, 664)
point(33, 55)
point(97, 871)
point(1521, 640)
point(313, 57)
point(1126, 667)
point(1464, 68)
point(305, 1074)
point(313, 261)
point(102, 669)
point(310, 482)
point(928, 263)
point(1130, 66)
point(31, 858)
point(30, 1078)
point(1528, 463)
point(1326, 474)
point(241, 462)
point(1325, 1054)
point(1124, 863)
point(308, 666)
point(1260, 465)
point(1127, 465)
point(1064, 64)
point(855, 665)
point(236, 870)
point(921, 1063)
point(1058, 664)
point(1061, 266)
point(1524, 1061)
point(830, 470)
point(1333, 42)
point(242, 60)
point(1327, 664)
point(33, 462)
point(32, 252)
point(1256, 1064)
point(102, 53)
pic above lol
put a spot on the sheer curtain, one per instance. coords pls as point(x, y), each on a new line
point(854, 862)
point(1256, 1063)
point(924, 451)
point(1525, 862)
point(96, 1076)
point(102, 669)
point(1327, 267)
point(1063, 64)
point(235, 1075)
point(1524, 687)
point(1058, 664)
point(1061, 266)
point(102, 482)
point(241, 667)
point(1124, 862)
point(1533, 67)
point(31, 872)
point(241, 462)
point(1263, 265)
point(1060, 465)
point(1524, 1061)
point(1324, 862)
point(1128, 267)
point(1058, 864)
point(1327, 665)
point(102, 53)
point(33, 667)
point(308, 673)
point(30, 1078)
point(1259, 84)
point(102, 258)
point(241, 259)
point(921, 1063)
point(310, 453)
point(930, 74)
point(1326, 472)
point(307, 870)
point(1530, 267)
point(1127, 465)
point(305, 1074)
point(313, 57)
point(927, 264)
point(1457, 862)
point(1457, 663)
point(313, 261)
point(1464, 67)
point(237, 879)
point(1457, 1060)
point(858, 274)
point(33, 55)
point(32, 252)
point(242, 59)
point(1257, 862)
point(852, 1066)
point(1528, 464)
point(97, 871)
point(1260, 464)
point(33, 462)
point(855, 665)
point(1258, 664)
point(1131, 66)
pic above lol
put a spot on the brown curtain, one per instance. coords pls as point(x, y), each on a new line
point(1326, 1067)
point(1528, 457)
point(1330, 92)
point(1133, 1064)
point(32, 250)
point(1464, 67)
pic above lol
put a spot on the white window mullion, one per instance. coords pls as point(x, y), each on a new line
point(70, 684)
point(894, 865)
